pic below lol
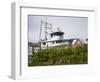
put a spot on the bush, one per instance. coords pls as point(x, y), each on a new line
point(60, 56)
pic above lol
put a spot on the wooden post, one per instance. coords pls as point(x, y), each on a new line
point(39, 45)
point(47, 46)
point(33, 49)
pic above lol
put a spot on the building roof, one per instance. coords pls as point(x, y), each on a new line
point(74, 40)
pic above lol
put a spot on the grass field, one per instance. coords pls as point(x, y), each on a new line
point(60, 56)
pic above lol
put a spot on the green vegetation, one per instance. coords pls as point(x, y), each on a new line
point(60, 56)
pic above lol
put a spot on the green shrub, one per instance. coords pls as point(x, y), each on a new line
point(60, 56)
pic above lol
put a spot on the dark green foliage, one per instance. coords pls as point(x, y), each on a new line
point(60, 56)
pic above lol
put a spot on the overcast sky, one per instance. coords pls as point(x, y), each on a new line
point(73, 27)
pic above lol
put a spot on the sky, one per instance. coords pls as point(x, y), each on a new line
point(73, 27)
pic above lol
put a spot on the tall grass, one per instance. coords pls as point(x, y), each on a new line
point(60, 56)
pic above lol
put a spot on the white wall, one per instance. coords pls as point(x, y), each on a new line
point(5, 34)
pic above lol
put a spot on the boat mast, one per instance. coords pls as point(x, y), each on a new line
point(46, 27)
